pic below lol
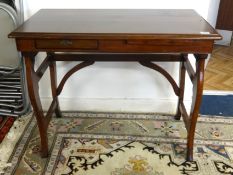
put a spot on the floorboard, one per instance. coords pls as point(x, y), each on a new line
point(219, 71)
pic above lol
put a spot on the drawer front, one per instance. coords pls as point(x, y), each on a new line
point(66, 44)
point(158, 45)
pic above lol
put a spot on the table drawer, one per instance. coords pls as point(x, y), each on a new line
point(66, 44)
point(156, 45)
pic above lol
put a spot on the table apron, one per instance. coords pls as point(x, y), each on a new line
point(117, 46)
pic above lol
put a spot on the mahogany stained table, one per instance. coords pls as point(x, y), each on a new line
point(115, 35)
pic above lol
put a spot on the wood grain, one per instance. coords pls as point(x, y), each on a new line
point(219, 72)
point(225, 13)
point(118, 24)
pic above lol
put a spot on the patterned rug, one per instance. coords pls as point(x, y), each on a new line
point(124, 144)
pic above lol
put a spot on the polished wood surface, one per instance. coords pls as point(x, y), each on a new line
point(119, 24)
point(139, 31)
point(225, 13)
point(116, 35)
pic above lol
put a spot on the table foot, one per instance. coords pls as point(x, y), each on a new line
point(177, 116)
point(44, 154)
point(58, 113)
point(189, 156)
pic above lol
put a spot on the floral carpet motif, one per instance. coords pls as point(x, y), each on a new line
point(86, 143)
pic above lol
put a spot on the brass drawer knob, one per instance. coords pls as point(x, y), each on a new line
point(66, 42)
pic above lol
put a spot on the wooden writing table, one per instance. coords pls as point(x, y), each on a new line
point(115, 35)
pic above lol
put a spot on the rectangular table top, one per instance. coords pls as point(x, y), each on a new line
point(116, 23)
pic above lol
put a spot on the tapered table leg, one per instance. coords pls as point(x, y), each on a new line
point(196, 102)
point(33, 90)
point(181, 89)
point(53, 78)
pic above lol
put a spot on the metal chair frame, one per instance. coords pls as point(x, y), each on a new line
point(12, 94)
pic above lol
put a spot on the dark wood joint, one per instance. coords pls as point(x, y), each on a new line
point(25, 45)
point(200, 56)
point(189, 69)
point(43, 67)
point(29, 54)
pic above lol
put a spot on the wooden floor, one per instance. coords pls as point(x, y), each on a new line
point(219, 71)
